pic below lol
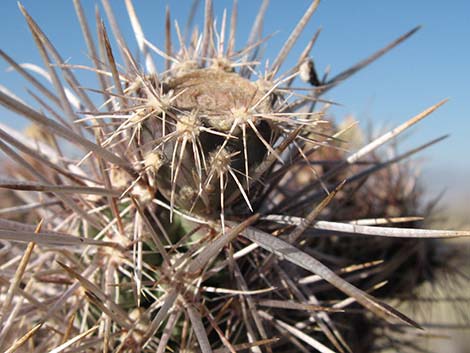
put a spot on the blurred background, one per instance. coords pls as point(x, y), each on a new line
point(432, 65)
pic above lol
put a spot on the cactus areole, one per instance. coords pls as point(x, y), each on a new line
point(210, 137)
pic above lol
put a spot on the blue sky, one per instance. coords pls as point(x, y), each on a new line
point(432, 65)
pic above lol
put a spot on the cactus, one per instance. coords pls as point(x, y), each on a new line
point(205, 206)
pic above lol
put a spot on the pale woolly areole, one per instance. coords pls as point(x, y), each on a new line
point(173, 215)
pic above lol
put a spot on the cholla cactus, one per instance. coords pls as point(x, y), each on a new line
point(173, 217)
